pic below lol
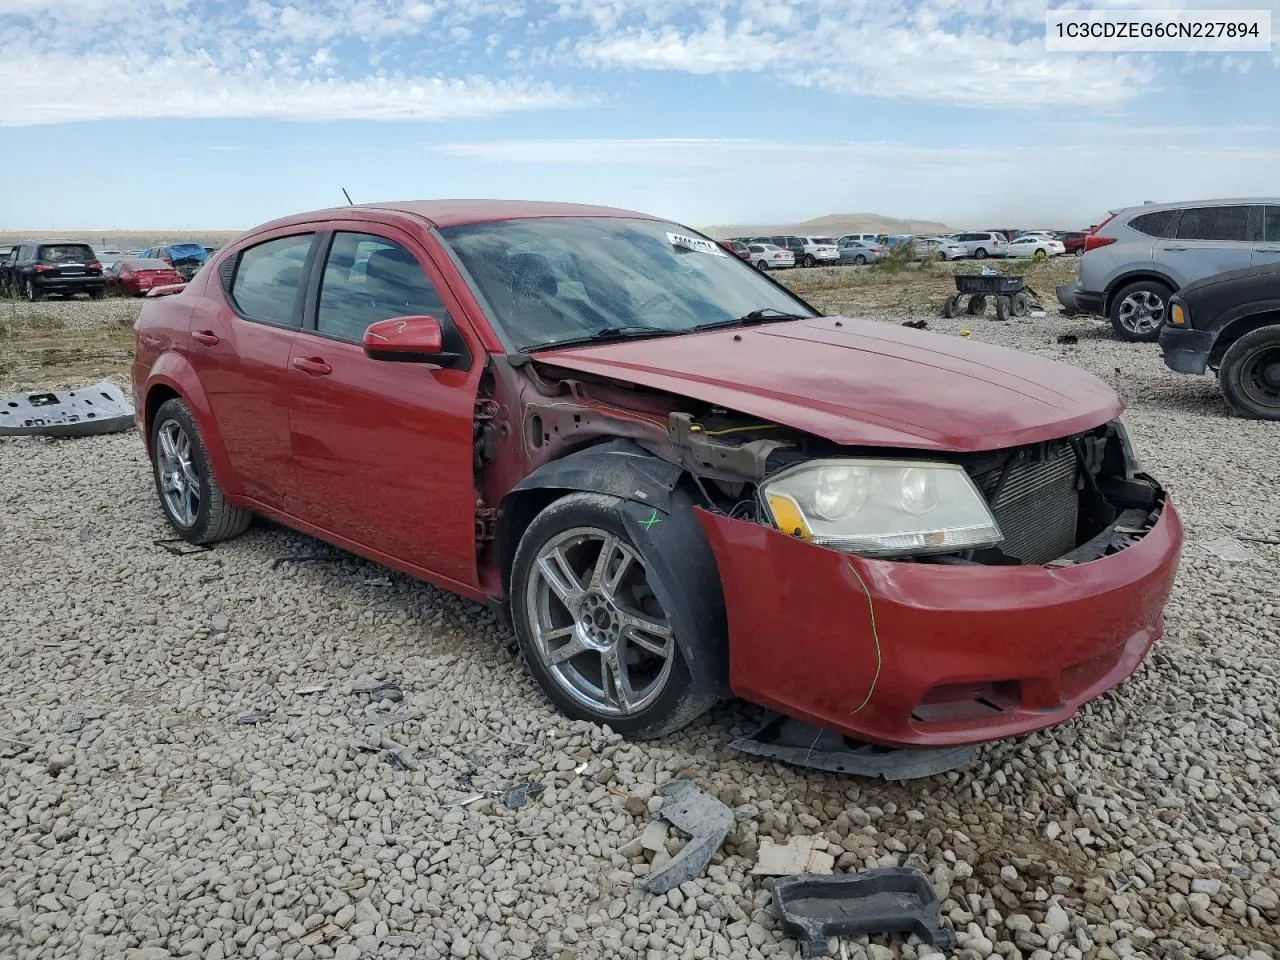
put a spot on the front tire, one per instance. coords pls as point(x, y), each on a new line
point(1040, 255)
point(590, 627)
point(1250, 374)
point(32, 293)
point(1138, 311)
point(980, 254)
point(192, 499)
point(762, 266)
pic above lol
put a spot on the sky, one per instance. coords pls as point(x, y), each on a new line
point(152, 114)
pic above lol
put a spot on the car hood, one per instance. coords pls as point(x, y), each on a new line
point(863, 383)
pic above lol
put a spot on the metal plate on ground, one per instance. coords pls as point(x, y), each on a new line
point(82, 412)
point(792, 741)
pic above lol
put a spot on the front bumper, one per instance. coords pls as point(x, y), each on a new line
point(918, 654)
point(1185, 350)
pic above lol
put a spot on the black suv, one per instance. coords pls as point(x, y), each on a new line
point(1230, 323)
point(65, 267)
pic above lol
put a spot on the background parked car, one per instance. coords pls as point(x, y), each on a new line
point(1035, 246)
point(63, 267)
point(770, 256)
point(818, 250)
point(7, 256)
point(1072, 241)
point(860, 251)
point(186, 258)
point(941, 248)
point(134, 276)
point(1140, 256)
point(1229, 323)
point(737, 248)
point(786, 242)
point(875, 239)
point(983, 245)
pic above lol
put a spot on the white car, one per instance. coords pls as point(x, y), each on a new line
point(944, 248)
point(770, 256)
point(982, 244)
point(1033, 247)
point(819, 250)
point(871, 238)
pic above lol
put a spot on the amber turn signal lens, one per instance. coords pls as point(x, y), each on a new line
point(1178, 316)
point(787, 515)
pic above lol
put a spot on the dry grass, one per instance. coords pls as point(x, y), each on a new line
point(64, 343)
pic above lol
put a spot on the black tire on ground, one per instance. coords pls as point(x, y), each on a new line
point(680, 700)
point(215, 518)
point(1021, 304)
point(762, 265)
point(951, 307)
point(1151, 293)
point(860, 260)
point(1003, 308)
point(32, 293)
point(1250, 374)
point(980, 253)
point(809, 261)
point(97, 294)
point(1040, 255)
point(977, 304)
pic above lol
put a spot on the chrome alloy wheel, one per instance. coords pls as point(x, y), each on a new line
point(1142, 311)
point(179, 481)
point(597, 627)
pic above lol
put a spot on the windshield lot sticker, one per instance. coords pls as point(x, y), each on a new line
point(695, 243)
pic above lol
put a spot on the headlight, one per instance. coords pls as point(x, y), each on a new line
point(881, 508)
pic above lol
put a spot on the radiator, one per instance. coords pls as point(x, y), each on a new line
point(1036, 503)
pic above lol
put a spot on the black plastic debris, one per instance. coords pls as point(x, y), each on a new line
point(308, 558)
point(395, 761)
point(181, 548)
point(516, 797)
point(1068, 338)
point(379, 690)
point(916, 324)
point(82, 412)
point(704, 818)
point(887, 900)
point(253, 719)
point(792, 741)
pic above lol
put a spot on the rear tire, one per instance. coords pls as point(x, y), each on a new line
point(31, 292)
point(980, 254)
point(581, 611)
point(1040, 255)
point(1138, 311)
point(207, 516)
point(809, 261)
point(1250, 374)
point(762, 266)
point(860, 260)
point(97, 294)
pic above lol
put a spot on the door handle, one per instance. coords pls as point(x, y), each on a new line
point(313, 365)
point(207, 337)
point(1174, 249)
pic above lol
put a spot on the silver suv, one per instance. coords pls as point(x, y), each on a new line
point(983, 244)
point(1140, 256)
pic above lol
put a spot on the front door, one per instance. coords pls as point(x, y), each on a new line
point(241, 356)
point(1207, 240)
point(383, 449)
point(1267, 249)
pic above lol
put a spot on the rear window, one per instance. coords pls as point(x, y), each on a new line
point(146, 264)
point(66, 253)
point(824, 241)
point(1214, 223)
point(1157, 224)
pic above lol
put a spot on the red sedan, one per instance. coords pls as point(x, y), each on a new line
point(680, 481)
point(135, 276)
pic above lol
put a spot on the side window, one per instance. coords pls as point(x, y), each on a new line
point(1214, 223)
point(368, 278)
point(267, 279)
point(1158, 224)
point(1271, 227)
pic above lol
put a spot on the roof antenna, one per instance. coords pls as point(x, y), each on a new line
point(348, 196)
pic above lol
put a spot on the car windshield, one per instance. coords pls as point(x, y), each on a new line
point(554, 280)
point(66, 253)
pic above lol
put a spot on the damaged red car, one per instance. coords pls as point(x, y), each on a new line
point(134, 276)
point(681, 481)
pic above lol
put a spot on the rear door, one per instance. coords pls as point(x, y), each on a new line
point(1267, 247)
point(383, 449)
point(240, 351)
point(1207, 241)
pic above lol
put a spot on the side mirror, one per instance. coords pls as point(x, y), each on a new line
point(407, 339)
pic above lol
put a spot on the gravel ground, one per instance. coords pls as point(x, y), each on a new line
point(193, 774)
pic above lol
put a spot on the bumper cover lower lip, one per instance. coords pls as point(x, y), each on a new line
point(1186, 350)
point(954, 654)
point(1088, 302)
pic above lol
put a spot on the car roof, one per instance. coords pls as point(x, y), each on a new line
point(456, 213)
point(1223, 201)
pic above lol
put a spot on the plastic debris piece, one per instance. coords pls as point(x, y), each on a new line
point(380, 690)
point(516, 797)
point(916, 324)
point(253, 719)
point(964, 333)
point(1068, 338)
point(82, 412)
point(797, 855)
point(804, 745)
point(181, 548)
point(1228, 548)
point(887, 900)
point(705, 819)
point(396, 762)
point(313, 688)
point(307, 558)
point(9, 747)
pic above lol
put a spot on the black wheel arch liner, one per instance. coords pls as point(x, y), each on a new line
point(1133, 276)
point(1241, 319)
point(657, 513)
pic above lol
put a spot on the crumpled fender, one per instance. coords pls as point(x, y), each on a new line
point(174, 370)
point(659, 517)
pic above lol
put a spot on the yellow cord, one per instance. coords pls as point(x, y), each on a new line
point(728, 430)
point(875, 635)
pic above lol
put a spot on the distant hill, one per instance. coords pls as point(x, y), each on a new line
point(832, 225)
